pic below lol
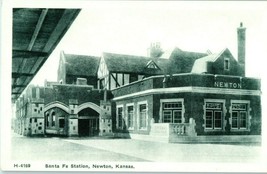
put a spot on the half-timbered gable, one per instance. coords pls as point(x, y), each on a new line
point(116, 70)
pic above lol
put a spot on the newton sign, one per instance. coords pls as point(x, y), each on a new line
point(231, 85)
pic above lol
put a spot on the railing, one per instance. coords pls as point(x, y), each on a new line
point(173, 129)
point(179, 128)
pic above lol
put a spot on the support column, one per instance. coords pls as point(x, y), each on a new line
point(105, 120)
point(72, 122)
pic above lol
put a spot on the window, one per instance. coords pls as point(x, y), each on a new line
point(130, 112)
point(142, 112)
point(133, 77)
point(214, 114)
point(120, 117)
point(172, 111)
point(53, 119)
point(177, 116)
point(226, 64)
point(209, 116)
point(167, 116)
point(239, 114)
point(47, 119)
point(142, 115)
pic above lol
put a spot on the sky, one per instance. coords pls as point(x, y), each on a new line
point(130, 27)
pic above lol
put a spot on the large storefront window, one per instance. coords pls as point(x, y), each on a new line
point(214, 115)
point(120, 117)
point(142, 112)
point(130, 116)
point(239, 114)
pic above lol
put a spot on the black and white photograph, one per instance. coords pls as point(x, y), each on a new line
point(133, 86)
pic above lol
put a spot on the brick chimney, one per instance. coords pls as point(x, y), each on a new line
point(241, 39)
point(154, 50)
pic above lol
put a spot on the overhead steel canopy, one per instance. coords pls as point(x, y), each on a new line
point(36, 33)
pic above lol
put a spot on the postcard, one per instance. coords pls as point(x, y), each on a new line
point(133, 86)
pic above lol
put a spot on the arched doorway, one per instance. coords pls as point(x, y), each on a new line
point(88, 122)
point(55, 122)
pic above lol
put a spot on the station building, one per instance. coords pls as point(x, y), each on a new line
point(175, 96)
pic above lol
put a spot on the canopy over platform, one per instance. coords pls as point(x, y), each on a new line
point(36, 33)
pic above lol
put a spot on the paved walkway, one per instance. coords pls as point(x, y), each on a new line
point(164, 152)
point(55, 149)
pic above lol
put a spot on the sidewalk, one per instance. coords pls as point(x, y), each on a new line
point(164, 152)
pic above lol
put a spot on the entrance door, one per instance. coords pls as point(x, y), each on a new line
point(93, 126)
point(83, 127)
point(88, 122)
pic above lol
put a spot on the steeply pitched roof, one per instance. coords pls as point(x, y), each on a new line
point(133, 64)
point(177, 52)
point(184, 60)
point(200, 65)
point(81, 65)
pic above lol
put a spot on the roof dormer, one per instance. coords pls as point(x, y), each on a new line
point(152, 65)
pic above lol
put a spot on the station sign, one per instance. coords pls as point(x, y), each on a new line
point(231, 85)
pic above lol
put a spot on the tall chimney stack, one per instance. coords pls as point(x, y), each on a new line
point(241, 39)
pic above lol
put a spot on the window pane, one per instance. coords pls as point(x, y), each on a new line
point(208, 119)
point(234, 120)
point(167, 116)
point(226, 64)
point(142, 114)
point(218, 120)
point(169, 105)
point(130, 116)
point(177, 116)
point(243, 120)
